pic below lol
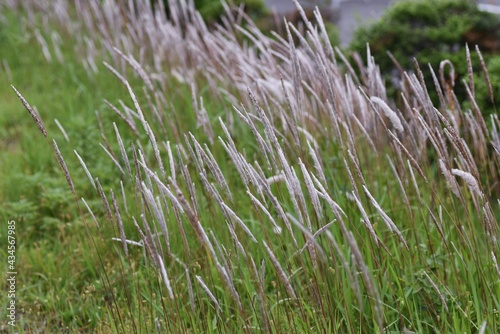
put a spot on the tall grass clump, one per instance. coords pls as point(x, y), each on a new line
point(273, 189)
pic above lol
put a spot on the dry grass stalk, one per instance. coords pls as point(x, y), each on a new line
point(313, 194)
point(236, 240)
point(209, 160)
point(33, 113)
point(435, 139)
point(43, 43)
point(164, 276)
point(411, 159)
point(231, 214)
point(140, 161)
point(458, 144)
point(335, 119)
point(366, 220)
point(482, 329)
point(158, 213)
point(420, 88)
point(130, 242)
point(238, 162)
point(122, 150)
point(414, 181)
point(401, 186)
point(193, 220)
point(163, 188)
point(299, 194)
point(208, 292)
point(311, 242)
point(451, 181)
point(449, 83)
point(469, 71)
point(366, 134)
point(279, 209)
point(147, 241)
point(434, 286)
point(495, 263)
point(137, 68)
point(156, 151)
point(104, 200)
point(225, 269)
point(388, 221)
point(261, 294)
point(91, 213)
point(281, 273)
point(56, 42)
point(264, 145)
point(490, 221)
point(89, 175)
point(470, 180)
point(119, 223)
point(312, 239)
point(189, 183)
point(276, 228)
point(479, 117)
point(62, 163)
point(115, 72)
point(336, 208)
point(112, 157)
point(7, 70)
point(171, 162)
point(495, 135)
point(393, 117)
point(129, 121)
point(437, 86)
point(357, 167)
point(65, 135)
point(318, 166)
point(203, 121)
point(275, 179)
point(344, 264)
point(190, 289)
point(367, 278)
point(486, 74)
point(297, 77)
point(438, 224)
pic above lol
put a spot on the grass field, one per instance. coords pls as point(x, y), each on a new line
point(235, 181)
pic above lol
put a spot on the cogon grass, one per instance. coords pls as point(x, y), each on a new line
point(32, 112)
point(222, 197)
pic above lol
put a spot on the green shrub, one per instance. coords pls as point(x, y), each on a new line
point(482, 93)
point(432, 31)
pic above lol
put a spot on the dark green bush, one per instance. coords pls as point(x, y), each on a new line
point(431, 31)
point(482, 94)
